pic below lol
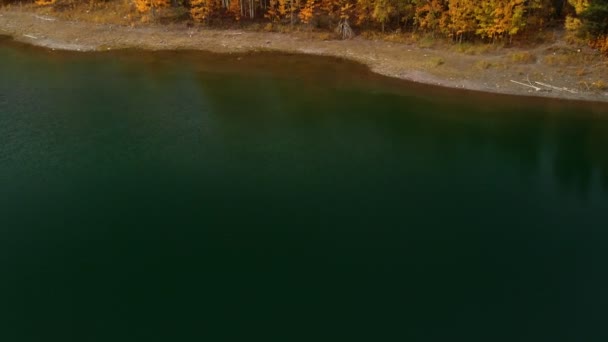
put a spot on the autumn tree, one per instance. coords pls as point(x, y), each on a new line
point(540, 12)
point(346, 9)
point(510, 17)
point(383, 9)
point(282, 9)
point(145, 6)
point(364, 11)
point(497, 18)
point(406, 10)
point(457, 19)
point(294, 6)
point(461, 18)
point(330, 9)
point(308, 11)
point(203, 10)
point(276, 10)
point(235, 8)
point(431, 15)
point(271, 11)
point(573, 23)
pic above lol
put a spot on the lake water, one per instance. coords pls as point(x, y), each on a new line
point(182, 196)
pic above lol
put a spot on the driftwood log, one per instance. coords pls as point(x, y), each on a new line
point(527, 85)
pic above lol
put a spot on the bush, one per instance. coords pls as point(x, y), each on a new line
point(599, 85)
point(601, 44)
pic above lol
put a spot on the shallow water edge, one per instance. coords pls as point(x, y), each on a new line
point(400, 61)
point(296, 64)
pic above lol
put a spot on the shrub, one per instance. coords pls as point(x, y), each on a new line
point(599, 85)
point(601, 44)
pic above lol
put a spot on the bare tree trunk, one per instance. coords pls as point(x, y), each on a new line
point(344, 29)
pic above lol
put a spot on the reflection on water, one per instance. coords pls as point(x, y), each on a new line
point(184, 196)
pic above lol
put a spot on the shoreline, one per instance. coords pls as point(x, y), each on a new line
point(403, 61)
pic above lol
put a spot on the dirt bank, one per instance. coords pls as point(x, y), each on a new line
point(563, 71)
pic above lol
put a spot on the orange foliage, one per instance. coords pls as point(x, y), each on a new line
point(346, 9)
point(202, 10)
point(365, 9)
point(272, 13)
point(144, 6)
point(601, 44)
point(458, 19)
point(462, 18)
point(45, 2)
point(308, 11)
point(431, 15)
point(282, 8)
point(330, 7)
point(235, 9)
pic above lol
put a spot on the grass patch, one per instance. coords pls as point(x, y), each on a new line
point(475, 48)
point(119, 12)
point(522, 57)
point(571, 57)
point(434, 62)
point(425, 41)
point(540, 37)
point(392, 37)
point(325, 36)
point(599, 85)
point(483, 65)
point(556, 59)
point(397, 38)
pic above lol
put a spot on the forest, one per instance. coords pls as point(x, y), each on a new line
point(458, 20)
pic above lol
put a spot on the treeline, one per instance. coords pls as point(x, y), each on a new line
point(460, 20)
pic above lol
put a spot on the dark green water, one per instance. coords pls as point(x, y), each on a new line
point(194, 197)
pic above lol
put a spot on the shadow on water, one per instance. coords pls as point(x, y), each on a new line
point(568, 135)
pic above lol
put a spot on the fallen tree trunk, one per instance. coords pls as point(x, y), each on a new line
point(527, 85)
point(556, 88)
